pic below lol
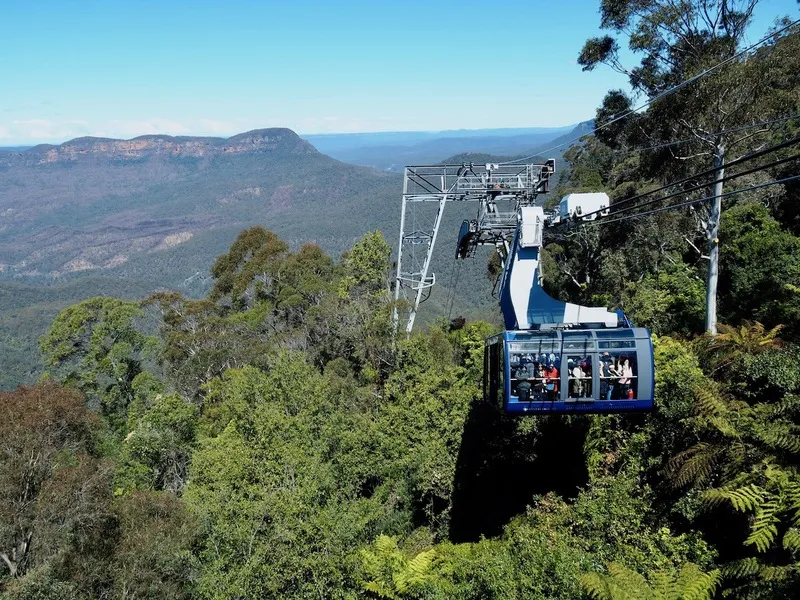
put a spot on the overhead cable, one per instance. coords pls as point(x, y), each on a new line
point(712, 171)
point(691, 202)
point(710, 134)
point(705, 185)
point(661, 95)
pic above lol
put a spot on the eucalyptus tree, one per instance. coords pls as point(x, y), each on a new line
point(719, 92)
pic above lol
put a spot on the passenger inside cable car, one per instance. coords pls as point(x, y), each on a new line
point(570, 371)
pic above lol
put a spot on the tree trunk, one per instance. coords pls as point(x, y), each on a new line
point(712, 235)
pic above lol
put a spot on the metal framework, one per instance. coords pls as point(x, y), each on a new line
point(500, 191)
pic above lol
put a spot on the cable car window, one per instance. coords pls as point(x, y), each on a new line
point(618, 375)
point(614, 333)
point(579, 341)
point(579, 371)
point(616, 344)
point(534, 375)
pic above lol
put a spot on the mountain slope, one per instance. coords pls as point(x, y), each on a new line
point(96, 204)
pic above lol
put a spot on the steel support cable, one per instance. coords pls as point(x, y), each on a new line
point(733, 163)
point(450, 283)
point(453, 295)
point(713, 133)
point(691, 202)
point(704, 185)
point(660, 95)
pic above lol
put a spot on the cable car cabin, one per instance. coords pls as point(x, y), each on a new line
point(570, 371)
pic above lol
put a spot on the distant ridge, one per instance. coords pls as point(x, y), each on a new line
point(392, 151)
point(280, 140)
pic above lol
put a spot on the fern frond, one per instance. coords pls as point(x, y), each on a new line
point(782, 436)
point(741, 569)
point(596, 586)
point(723, 425)
point(694, 465)
point(379, 589)
point(416, 572)
point(765, 526)
point(770, 339)
point(780, 573)
point(789, 404)
point(743, 499)
point(628, 583)
point(791, 494)
point(694, 584)
point(791, 539)
point(708, 402)
point(385, 545)
point(663, 584)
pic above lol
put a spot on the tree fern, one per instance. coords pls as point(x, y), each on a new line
point(764, 529)
point(694, 465)
point(390, 574)
point(622, 583)
point(743, 568)
point(416, 572)
point(750, 338)
point(743, 499)
point(694, 584)
point(708, 403)
point(791, 539)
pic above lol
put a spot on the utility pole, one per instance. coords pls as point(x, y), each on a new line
point(712, 233)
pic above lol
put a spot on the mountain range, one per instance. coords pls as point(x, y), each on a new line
point(392, 151)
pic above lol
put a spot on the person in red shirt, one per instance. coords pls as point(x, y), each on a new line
point(551, 381)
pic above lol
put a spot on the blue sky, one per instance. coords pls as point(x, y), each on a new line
point(122, 69)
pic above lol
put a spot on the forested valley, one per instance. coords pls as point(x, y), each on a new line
point(277, 440)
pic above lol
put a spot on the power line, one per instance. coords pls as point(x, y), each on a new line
point(733, 163)
point(698, 201)
point(661, 95)
point(703, 185)
point(712, 133)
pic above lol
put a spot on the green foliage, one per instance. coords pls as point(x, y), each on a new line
point(366, 266)
point(98, 347)
point(762, 259)
point(670, 301)
point(159, 444)
point(391, 574)
point(274, 517)
point(622, 583)
point(151, 558)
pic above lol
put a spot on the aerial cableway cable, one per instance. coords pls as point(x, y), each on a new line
point(660, 95)
point(705, 185)
point(691, 202)
point(453, 295)
point(616, 207)
point(710, 134)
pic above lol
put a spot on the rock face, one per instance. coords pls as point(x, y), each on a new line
point(168, 206)
point(276, 140)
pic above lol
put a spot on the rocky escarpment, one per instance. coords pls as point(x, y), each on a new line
point(276, 140)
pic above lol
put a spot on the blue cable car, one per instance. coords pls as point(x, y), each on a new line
point(558, 357)
point(570, 371)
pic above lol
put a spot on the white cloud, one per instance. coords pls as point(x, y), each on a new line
point(146, 127)
point(41, 130)
point(216, 126)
